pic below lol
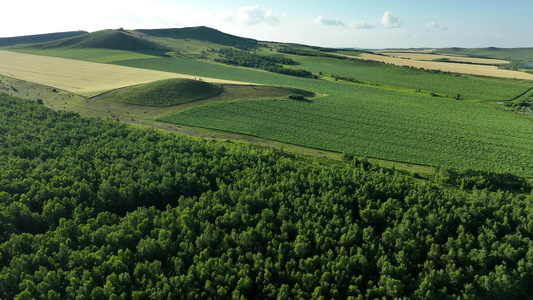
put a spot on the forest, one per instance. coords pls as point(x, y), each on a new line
point(268, 63)
point(98, 209)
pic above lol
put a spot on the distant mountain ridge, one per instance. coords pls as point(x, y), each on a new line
point(38, 38)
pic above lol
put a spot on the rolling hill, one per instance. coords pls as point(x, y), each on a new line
point(201, 33)
point(152, 41)
point(38, 38)
point(115, 39)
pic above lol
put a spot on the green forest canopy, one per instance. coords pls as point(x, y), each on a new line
point(93, 209)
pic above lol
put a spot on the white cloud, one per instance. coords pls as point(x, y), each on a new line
point(327, 21)
point(389, 20)
point(252, 15)
point(434, 26)
point(363, 25)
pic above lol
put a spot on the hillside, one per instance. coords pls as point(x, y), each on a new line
point(172, 92)
point(202, 33)
point(106, 39)
point(38, 38)
point(168, 92)
point(153, 41)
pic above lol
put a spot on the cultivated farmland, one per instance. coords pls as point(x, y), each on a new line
point(416, 129)
point(451, 58)
point(480, 70)
point(79, 76)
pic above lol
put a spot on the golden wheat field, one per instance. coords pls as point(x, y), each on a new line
point(80, 77)
point(472, 69)
point(453, 58)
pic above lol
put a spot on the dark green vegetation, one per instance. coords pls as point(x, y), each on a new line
point(269, 63)
point(38, 38)
point(93, 209)
point(168, 92)
point(369, 109)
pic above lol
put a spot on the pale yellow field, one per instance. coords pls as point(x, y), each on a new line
point(80, 77)
point(406, 50)
point(447, 67)
point(454, 58)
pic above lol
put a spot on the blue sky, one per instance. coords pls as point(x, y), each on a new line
point(362, 24)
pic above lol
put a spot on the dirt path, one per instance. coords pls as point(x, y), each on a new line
point(470, 69)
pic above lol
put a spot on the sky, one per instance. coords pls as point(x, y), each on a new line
point(368, 24)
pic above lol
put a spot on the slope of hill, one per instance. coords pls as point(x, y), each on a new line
point(106, 39)
point(163, 93)
point(202, 33)
point(38, 38)
point(172, 92)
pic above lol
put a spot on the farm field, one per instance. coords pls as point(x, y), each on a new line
point(521, 54)
point(480, 70)
point(440, 83)
point(87, 54)
point(415, 129)
point(76, 76)
point(449, 57)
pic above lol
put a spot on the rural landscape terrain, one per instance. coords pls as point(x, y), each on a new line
point(188, 163)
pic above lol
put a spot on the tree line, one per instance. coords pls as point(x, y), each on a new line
point(271, 63)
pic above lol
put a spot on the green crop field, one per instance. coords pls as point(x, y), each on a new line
point(446, 84)
point(415, 129)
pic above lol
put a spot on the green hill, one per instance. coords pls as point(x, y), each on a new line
point(168, 92)
point(38, 38)
point(150, 41)
point(107, 39)
point(202, 33)
point(172, 92)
